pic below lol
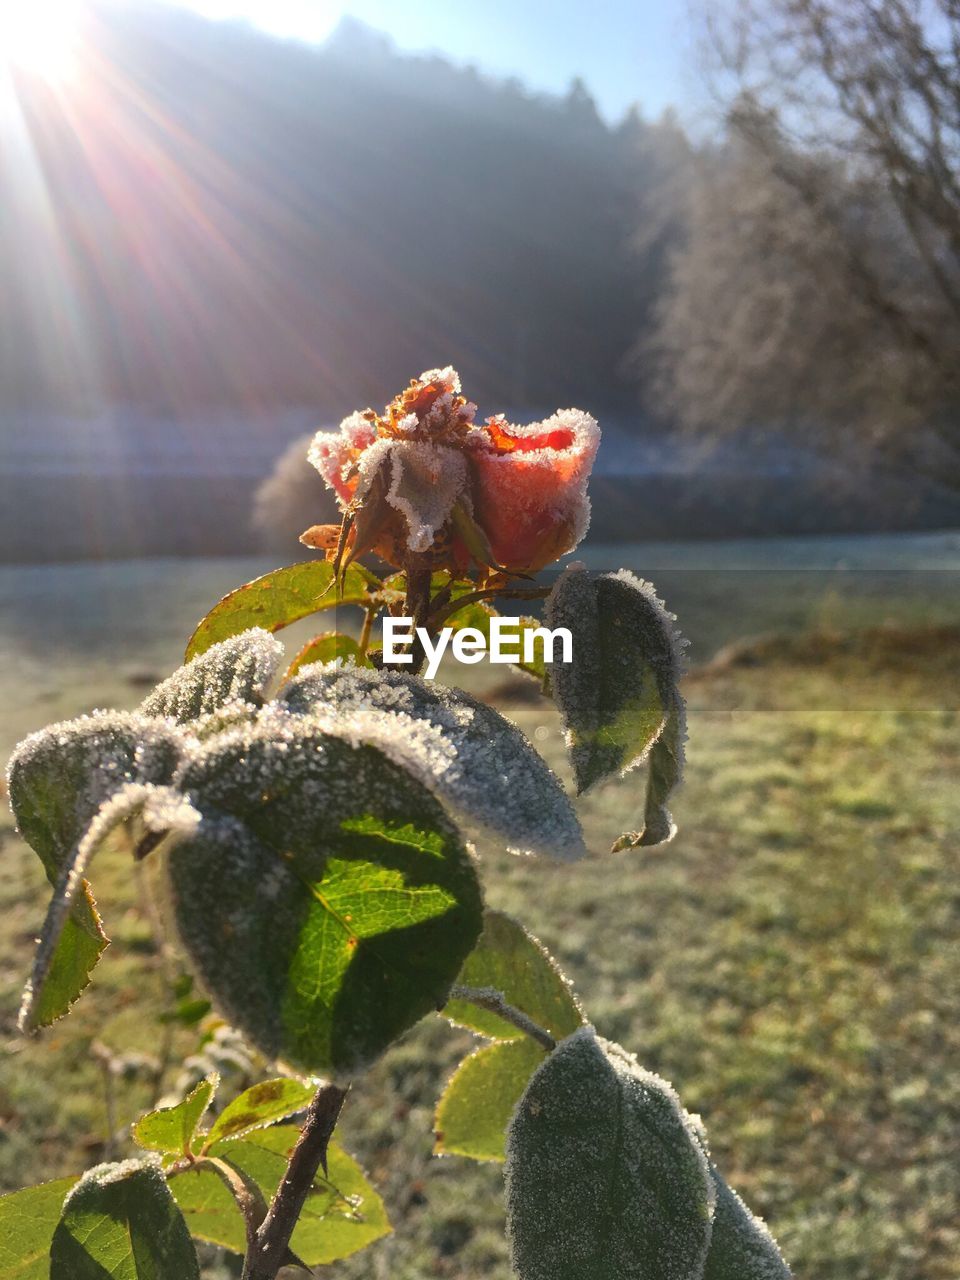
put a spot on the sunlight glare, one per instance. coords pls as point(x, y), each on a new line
point(39, 37)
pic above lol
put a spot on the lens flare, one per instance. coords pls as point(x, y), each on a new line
point(39, 37)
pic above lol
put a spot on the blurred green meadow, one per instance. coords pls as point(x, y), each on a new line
point(791, 961)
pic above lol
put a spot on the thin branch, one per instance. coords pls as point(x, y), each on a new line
point(270, 1250)
point(364, 641)
point(492, 1000)
point(484, 594)
point(245, 1192)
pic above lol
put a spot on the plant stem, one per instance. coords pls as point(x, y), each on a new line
point(364, 641)
point(491, 999)
point(270, 1249)
point(418, 604)
point(483, 594)
point(244, 1191)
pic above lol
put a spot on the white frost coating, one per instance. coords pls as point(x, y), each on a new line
point(742, 1246)
point(523, 485)
point(240, 669)
point(278, 797)
point(103, 1175)
point(228, 716)
point(668, 621)
point(426, 479)
point(605, 1177)
point(628, 660)
point(332, 452)
point(580, 452)
point(82, 762)
point(445, 377)
point(467, 753)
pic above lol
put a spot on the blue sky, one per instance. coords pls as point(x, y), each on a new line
point(626, 50)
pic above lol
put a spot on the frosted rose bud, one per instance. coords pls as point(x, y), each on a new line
point(422, 479)
point(530, 486)
point(398, 475)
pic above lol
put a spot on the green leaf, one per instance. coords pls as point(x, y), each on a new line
point(187, 1012)
point(741, 1247)
point(58, 779)
point(606, 1179)
point(120, 1221)
point(80, 945)
point(515, 963)
point(326, 898)
point(260, 1105)
point(280, 598)
point(327, 648)
point(342, 1215)
point(28, 1220)
point(617, 692)
point(171, 1129)
point(240, 669)
point(470, 755)
point(158, 809)
point(479, 615)
point(475, 1108)
point(664, 773)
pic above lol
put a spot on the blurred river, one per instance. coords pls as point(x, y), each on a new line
point(70, 634)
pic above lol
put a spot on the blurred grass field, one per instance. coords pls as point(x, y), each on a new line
point(791, 962)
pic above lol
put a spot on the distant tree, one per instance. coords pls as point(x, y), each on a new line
point(265, 222)
point(819, 282)
point(290, 499)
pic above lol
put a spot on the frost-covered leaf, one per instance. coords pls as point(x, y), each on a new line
point(664, 773)
point(278, 599)
point(159, 811)
point(606, 1179)
point(342, 1215)
point(171, 1129)
point(57, 779)
point(28, 1220)
point(616, 693)
point(516, 964)
point(741, 1247)
point(260, 1105)
point(240, 669)
point(480, 1097)
point(326, 898)
point(121, 1222)
point(470, 755)
point(81, 943)
point(329, 647)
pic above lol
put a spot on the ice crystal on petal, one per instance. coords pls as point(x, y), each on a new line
point(241, 668)
point(473, 758)
point(530, 491)
point(426, 480)
point(446, 377)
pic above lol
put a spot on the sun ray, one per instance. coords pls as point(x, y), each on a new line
point(39, 37)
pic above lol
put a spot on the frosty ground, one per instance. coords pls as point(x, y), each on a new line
point(791, 961)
